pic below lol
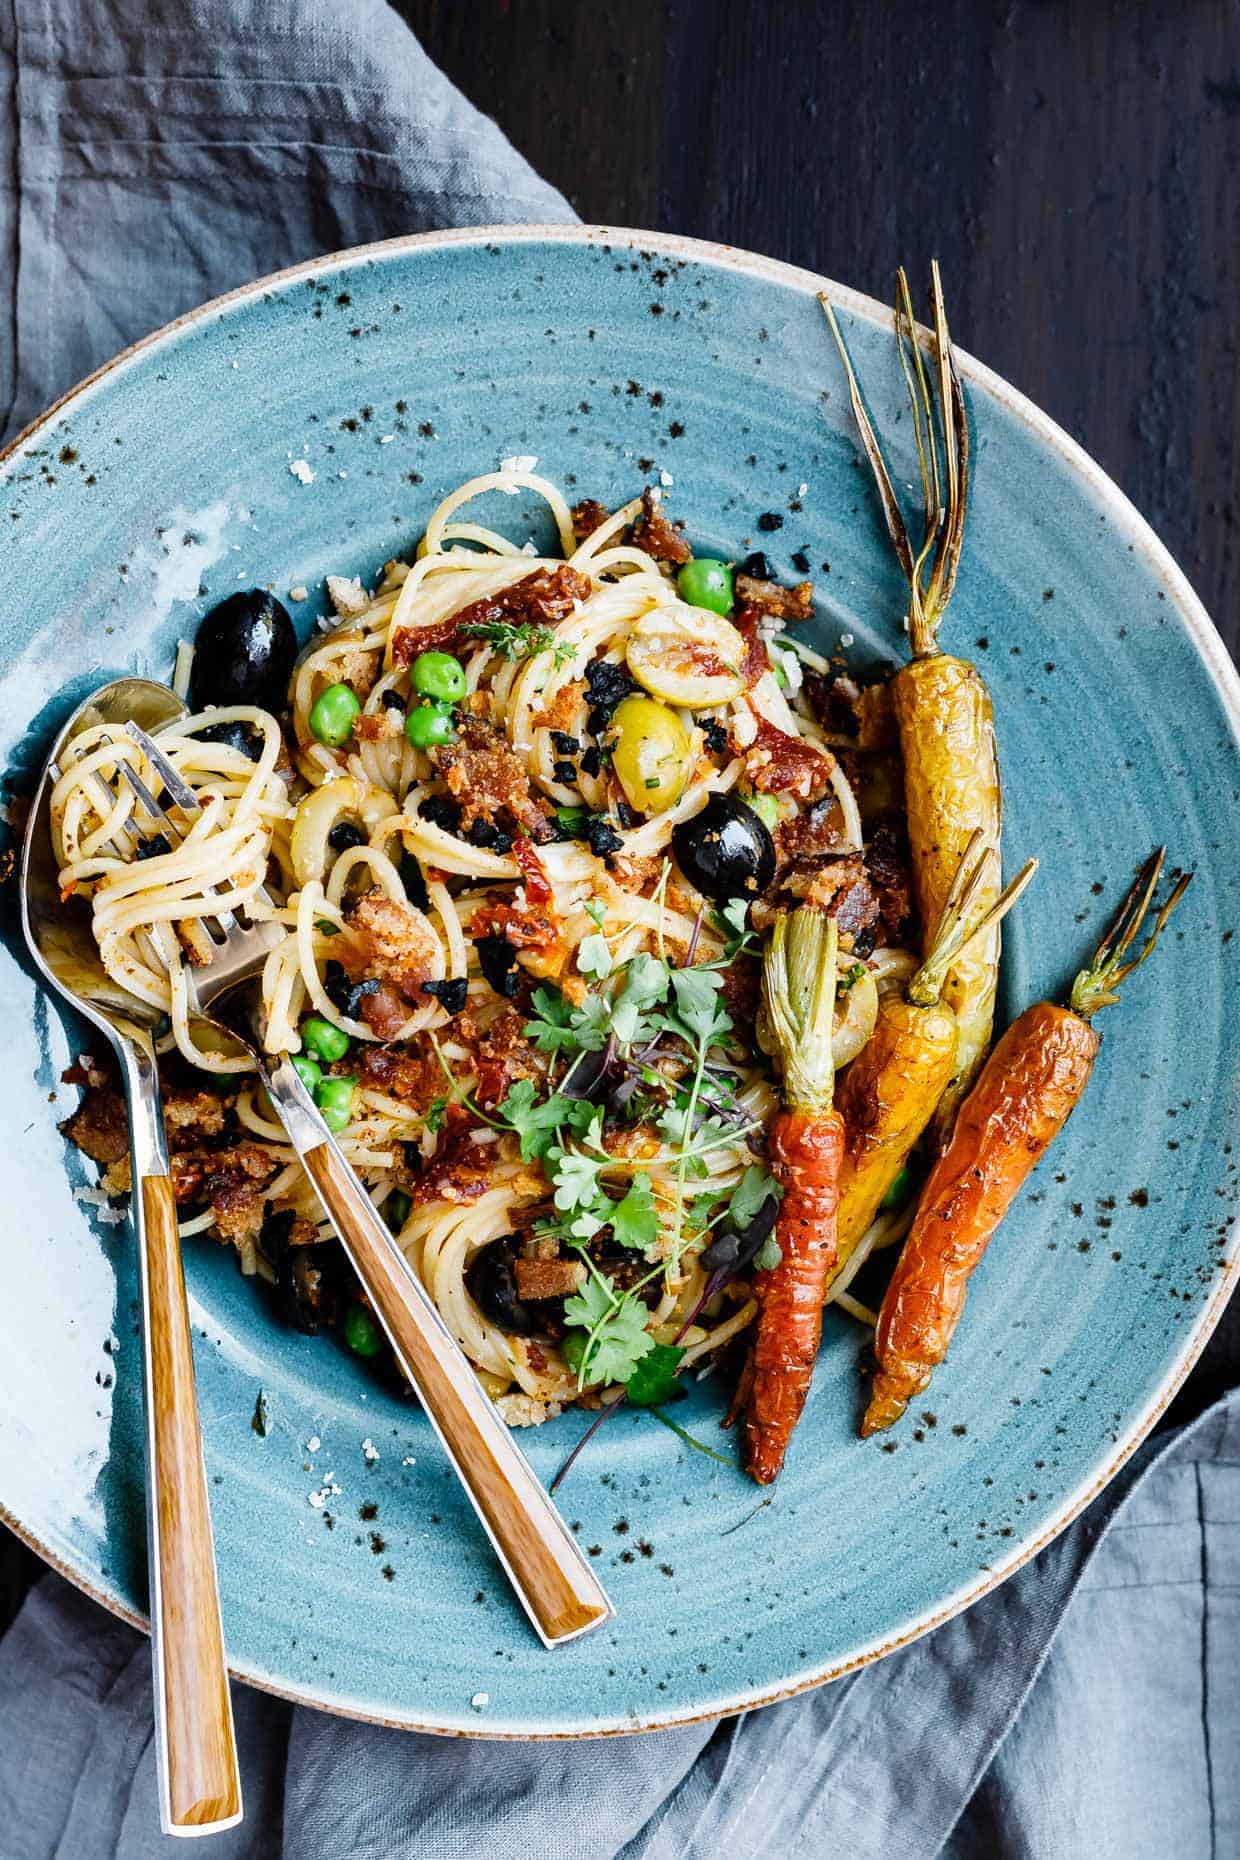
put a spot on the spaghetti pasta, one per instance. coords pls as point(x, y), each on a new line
point(488, 925)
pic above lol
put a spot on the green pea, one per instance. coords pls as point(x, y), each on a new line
point(396, 1209)
point(322, 1040)
point(438, 675)
point(308, 1070)
point(335, 1101)
point(898, 1193)
point(428, 725)
point(361, 1333)
point(704, 582)
point(781, 676)
point(766, 807)
point(332, 715)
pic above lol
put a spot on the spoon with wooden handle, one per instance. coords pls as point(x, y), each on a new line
point(195, 1747)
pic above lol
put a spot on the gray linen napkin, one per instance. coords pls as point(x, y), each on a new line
point(159, 155)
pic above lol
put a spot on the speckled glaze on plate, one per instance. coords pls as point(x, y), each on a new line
point(395, 372)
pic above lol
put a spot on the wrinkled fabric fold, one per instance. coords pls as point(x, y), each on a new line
point(156, 156)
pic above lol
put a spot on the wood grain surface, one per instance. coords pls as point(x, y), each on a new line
point(200, 1751)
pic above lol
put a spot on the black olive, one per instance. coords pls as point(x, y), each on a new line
point(603, 838)
point(725, 850)
point(244, 653)
point(442, 811)
point(626, 815)
point(344, 836)
point(606, 685)
point(450, 995)
point(716, 737)
point(486, 834)
point(345, 995)
point(564, 744)
point(591, 760)
point(492, 1285)
point(411, 877)
point(497, 959)
point(392, 700)
point(562, 770)
point(152, 847)
point(235, 735)
point(758, 567)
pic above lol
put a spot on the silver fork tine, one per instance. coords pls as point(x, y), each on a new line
point(183, 796)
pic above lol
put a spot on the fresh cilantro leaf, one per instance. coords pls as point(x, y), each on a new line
point(769, 1254)
point(612, 1325)
point(698, 1005)
point(635, 1220)
point(552, 1026)
point(701, 1210)
point(596, 911)
point(852, 976)
point(673, 1125)
point(537, 1123)
point(434, 1115)
point(730, 922)
point(576, 1180)
point(645, 983)
point(654, 1379)
point(593, 955)
point(754, 1187)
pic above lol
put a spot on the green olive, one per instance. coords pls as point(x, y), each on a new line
point(650, 754)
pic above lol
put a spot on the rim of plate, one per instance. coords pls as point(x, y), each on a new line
point(1224, 676)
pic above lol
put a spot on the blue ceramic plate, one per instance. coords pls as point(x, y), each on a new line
point(396, 372)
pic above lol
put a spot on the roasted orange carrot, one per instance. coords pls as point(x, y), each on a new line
point(1028, 1087)
point(805, 1141)
point(888, 1094)
point(942, 707)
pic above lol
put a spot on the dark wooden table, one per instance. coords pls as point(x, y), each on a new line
point(1073, 164)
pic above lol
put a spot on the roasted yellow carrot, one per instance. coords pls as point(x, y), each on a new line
point(942, 707)
point(888, 1094)
point(1028, 1087)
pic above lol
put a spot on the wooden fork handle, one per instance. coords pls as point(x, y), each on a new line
point(200, 1787)
point(560, 1592)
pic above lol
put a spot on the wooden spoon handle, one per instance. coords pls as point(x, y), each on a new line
point(200, 1787)
point(561, 1594)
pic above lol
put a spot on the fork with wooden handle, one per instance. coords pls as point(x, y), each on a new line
point(557, 1587)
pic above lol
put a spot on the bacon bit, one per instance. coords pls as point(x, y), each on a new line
point(99, 1126)
point(756, 659)
point(658, 538)
point(502, 1056)
point(384, 1011)
point(887, 868)
point(536, 1360)
point(486, 775)
point(235, 1190)
point(411, 1073)
point(538, 887)
point(459, 1170)
point(808, 835)
point(547, 1278)
point(840, 888)
point(191, 1117)
point(742, 992)
point(588, 516)
point(543, 598)
point(394, 945)
point(767, 597)
point(777, 763)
